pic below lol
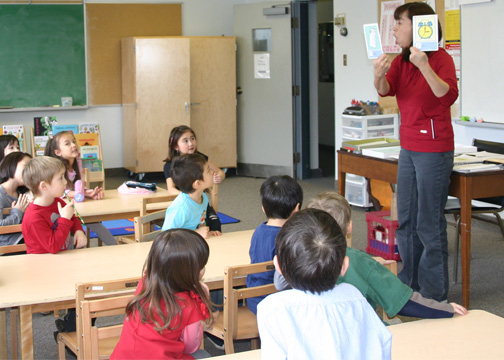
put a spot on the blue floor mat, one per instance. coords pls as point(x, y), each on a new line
point(125, 226)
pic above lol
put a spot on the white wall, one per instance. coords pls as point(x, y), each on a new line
point(356, 79)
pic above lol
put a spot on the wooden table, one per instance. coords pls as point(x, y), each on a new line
point(116, 206)
point(38, 282)
point(463, 186)
point(477, 335)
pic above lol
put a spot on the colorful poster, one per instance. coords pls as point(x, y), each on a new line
point(387, 23)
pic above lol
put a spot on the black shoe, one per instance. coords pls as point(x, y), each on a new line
point(216, 341)
point(60, 325)
point(55, 334)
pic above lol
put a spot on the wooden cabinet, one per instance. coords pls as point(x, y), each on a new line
point(171, 81)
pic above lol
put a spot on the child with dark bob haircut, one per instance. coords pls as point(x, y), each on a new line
point(281, 196)
point(318, 319)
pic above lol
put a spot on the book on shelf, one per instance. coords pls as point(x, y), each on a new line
point(92, 164)
point(17, 131)
point(59, 128)
point(86, 139)
point(89, 152)
point(42, 125)
point(89, 127)
point(389, 152)
point(39, 144)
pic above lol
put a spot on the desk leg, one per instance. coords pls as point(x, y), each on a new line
point(341, 176)
point(465, 234)
point(3, 334)
point(26, 329)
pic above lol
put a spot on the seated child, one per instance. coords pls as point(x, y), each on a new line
point(12, 194)
point(192, 175)
point(378, 285)
point(166, 317)
point(8, 144)
point(317, 319)
point(281, 196)
point(48, 221)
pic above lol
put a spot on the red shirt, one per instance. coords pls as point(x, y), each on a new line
point(425, 119)
point(45, 231)
point(141, 341)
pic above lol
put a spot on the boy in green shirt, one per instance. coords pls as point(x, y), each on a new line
point(376, 283)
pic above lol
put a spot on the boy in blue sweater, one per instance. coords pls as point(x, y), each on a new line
point(281, 196)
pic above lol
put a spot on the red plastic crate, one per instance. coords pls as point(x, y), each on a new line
point(382, 235)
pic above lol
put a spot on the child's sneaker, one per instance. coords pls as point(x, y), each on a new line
point(216, 341)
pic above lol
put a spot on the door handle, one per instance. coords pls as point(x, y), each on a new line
point(186, 107)
point(195, 104)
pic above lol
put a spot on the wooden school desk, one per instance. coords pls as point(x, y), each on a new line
point(37, 283)
point(463, 186)
point(116, 206)
point(478, 335)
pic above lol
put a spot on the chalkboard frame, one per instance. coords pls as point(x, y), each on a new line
point(54, 33)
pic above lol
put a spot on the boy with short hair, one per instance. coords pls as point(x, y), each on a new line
point(281, 196)
point(192, 176)
point(317, 319)
point(49, 221)
point(378, 285)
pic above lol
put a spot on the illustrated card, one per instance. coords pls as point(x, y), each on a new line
point(373, 41)
point(425, 32)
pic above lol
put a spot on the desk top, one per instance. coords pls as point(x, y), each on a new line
point(476, 335)
point(43, 278)
point(115, 203)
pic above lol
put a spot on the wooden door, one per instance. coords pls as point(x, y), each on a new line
point(163, 83)
point(213, 97)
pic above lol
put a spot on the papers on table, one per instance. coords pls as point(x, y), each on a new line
point(476, 167)
point(389, 152)
point(464, 149)
point(478, 161)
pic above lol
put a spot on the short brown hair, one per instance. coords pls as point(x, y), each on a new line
point(186, 169)
point(336, 205)
point(310, 250)
point(41, 168)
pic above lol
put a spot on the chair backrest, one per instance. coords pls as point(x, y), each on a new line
point(214, 197)
point(232, 295)
point(92, 335)
point(10, 229)
point(100, 290)
point(145, 227)
point(490, 146)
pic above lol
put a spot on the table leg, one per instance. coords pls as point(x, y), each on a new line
point(465, 234)
point(26, 329)
point(3, 334)
point(341, 176)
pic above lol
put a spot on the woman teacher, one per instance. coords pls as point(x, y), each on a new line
point(425, 86)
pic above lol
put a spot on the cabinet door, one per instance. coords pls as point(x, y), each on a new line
point(213, 97)
point(162, 95)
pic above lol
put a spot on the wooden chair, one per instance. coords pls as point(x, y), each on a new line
point(214, 197)
point(99, 343)
point(91, 291)
point(144, 224)
point(239, 323)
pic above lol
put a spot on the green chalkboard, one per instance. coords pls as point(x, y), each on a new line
point(42, 56)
